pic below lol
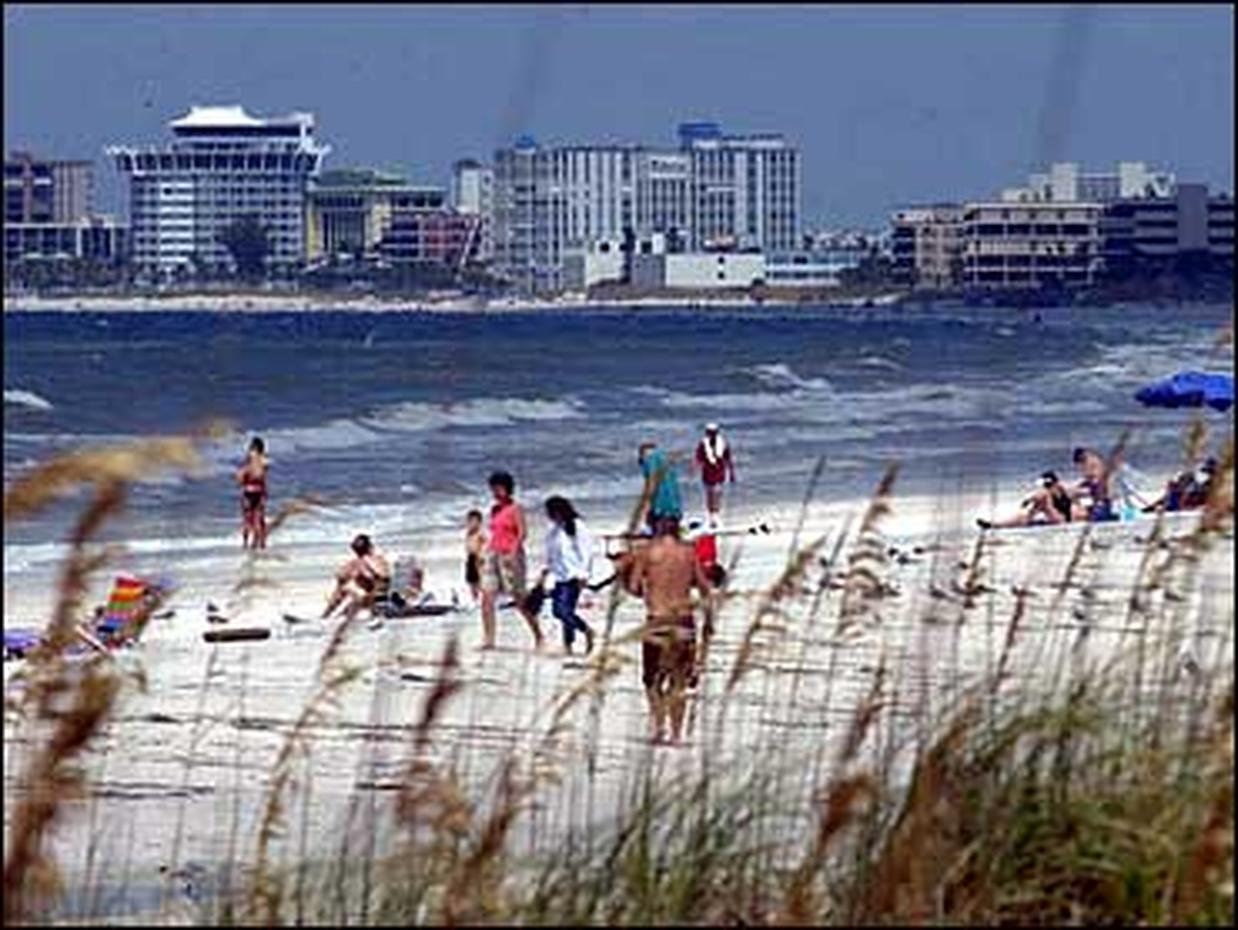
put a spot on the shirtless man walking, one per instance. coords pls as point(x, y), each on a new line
point(664, 574)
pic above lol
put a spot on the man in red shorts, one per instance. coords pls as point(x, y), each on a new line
point(664, 574)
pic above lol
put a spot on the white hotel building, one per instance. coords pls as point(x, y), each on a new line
point(714, 192)
point(221, 165)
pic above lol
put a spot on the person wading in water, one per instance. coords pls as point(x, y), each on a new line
point(252, 477)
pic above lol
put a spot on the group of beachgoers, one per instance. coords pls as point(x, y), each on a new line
point(1094, 498)
point(657, 565)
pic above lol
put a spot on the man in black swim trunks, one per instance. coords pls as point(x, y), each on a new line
point(664, 573)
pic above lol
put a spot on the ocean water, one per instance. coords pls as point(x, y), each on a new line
point(396, 419)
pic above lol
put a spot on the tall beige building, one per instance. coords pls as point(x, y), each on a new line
point(40, 190)
point(928, 245)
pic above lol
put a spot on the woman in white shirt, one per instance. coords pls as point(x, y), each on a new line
point(569, 559)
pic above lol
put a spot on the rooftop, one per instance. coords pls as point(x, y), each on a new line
point(230, 116)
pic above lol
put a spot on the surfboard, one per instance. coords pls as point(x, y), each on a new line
point(236, 634)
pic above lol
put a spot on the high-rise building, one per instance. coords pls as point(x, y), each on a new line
point(48, 214)
point(472, 194)
point(549, 202)
point(714, 192)
point(745, 189)
point(222, 164)
point(38, 190)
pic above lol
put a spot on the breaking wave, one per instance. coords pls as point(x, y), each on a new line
point(21, 398)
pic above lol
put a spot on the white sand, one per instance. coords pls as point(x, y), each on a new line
point(197, 747)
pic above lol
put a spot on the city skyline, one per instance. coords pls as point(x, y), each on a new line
point(888, 105)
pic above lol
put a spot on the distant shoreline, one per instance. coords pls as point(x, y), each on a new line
point(283, 303)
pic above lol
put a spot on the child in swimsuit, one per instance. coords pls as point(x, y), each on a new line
point(474, 549)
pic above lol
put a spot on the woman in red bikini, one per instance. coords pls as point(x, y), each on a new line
point(252, 477)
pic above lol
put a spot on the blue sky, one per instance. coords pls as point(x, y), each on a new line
point(889, 104)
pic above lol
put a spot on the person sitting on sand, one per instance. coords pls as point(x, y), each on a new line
point(408, 587)
point(664, 574)
point(1049, 504)
point(1053, 502)
point(360, 580)
point(1094, 485)
point(1187, 490)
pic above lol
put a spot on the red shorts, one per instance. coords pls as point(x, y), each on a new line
point(668, 653)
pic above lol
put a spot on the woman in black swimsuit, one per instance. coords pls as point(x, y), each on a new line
point(1051, 502)
point(252, 477)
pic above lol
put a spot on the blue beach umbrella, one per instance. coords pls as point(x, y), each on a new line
point(1190, 389)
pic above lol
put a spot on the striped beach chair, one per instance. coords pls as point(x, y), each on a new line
point(124, 607)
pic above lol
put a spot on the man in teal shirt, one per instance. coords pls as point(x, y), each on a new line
point(664, 500)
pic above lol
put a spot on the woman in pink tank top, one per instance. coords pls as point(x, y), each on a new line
point(506, 527)
point(503, 569)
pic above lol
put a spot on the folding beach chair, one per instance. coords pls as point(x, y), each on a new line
point(124, 607)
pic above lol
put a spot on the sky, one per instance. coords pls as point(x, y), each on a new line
point(889, 105)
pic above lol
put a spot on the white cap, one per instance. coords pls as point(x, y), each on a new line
point(711, 427)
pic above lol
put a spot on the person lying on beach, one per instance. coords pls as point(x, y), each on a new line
point(360, 580)
point(1187, 490)
point(1054, 502)
point(664, 574)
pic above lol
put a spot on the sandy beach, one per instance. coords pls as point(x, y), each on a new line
point(180, 776)
point(395, 425)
